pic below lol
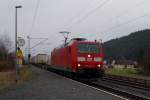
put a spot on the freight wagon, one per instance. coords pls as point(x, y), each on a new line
point(40, 59)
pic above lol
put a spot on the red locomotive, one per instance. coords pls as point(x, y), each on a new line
point(79, 57)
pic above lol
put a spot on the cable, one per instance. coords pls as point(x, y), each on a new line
point(90, 12)
point(127, 22)
point(44, 39)
point(128, 10)
point(11, 1)
point(34, 16)
point(79, 13)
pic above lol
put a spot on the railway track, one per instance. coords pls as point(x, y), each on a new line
point(125, 90)
point(139, 83)
point(130, 89)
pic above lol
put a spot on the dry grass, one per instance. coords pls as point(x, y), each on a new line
point(9, 78)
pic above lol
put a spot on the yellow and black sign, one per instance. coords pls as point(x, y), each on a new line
point(19, 53)
point(19, 56)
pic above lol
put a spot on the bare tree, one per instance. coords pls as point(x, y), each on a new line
point(6, 58)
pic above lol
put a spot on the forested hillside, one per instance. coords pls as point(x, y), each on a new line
point(131, 47)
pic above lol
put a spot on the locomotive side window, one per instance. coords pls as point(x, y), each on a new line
point(88, 48)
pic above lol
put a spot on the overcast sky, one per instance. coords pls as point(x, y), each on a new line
point(91, 19)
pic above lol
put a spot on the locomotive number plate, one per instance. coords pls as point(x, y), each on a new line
point(89, 59)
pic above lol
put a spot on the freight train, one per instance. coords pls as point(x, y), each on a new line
point(40, 59)
point(79, 57)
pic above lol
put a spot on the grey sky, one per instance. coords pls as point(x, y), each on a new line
point(92, 19)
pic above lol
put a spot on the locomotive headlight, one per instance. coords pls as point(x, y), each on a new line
point(89, 56)
point(97, 59)
point(79, 65)
point(98, 65)
point(81, 58)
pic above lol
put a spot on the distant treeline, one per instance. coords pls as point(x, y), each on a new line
point(135, 46)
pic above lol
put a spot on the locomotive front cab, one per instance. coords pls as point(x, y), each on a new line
point(89, 57)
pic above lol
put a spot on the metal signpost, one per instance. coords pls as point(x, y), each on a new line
point(16, 7)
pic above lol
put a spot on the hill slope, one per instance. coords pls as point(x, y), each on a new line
point(128, 47)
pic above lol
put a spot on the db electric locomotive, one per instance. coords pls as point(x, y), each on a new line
point(79, 57)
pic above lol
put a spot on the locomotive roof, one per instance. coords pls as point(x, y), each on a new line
point(79, 40)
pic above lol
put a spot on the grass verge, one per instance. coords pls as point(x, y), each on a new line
point(128, 72)
point(7, 79)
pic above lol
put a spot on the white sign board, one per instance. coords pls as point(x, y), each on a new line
point(21, 42)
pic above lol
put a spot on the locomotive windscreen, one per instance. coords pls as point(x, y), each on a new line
point(88, 48)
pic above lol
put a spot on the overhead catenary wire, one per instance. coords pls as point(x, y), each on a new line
point(125, 12)
point(127, 22)
point(79, 13)
point(44, 39)
point(11, 1)
point(90, 12)
point(34, 16)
